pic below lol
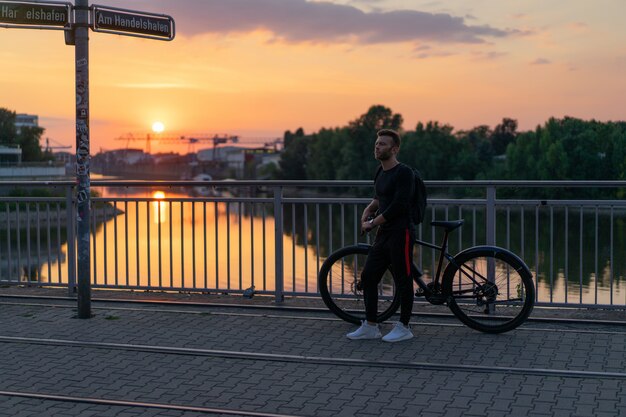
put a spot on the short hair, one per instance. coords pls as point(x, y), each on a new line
point(391, 133)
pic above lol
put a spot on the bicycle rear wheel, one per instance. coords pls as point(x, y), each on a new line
point(490, 289)
point(339, 285)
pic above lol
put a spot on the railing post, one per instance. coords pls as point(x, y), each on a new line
point(70, 215)
point(278, 245)
point(491, 216)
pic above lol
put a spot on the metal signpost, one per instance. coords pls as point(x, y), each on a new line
point(76, 20)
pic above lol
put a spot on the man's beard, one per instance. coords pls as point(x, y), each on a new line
point(383, 156)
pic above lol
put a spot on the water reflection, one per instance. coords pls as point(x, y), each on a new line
point(159, 207)
point(173, 241)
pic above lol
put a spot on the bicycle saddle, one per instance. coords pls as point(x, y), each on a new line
point(448, 225)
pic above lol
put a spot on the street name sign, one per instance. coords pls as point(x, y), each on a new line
point(35, 15)
point(132, 23)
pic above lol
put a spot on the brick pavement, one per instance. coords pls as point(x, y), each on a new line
point(300, 387)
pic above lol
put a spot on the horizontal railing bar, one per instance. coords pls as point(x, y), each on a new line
point(574, 305)
point(563, 202)
point(347, 200)
point(184, 199)
point(37, 184)
point(348, 183)
point(32, 199)
point(324, 183)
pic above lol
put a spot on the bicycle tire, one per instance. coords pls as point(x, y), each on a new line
point(494, 305)
point(337, 285)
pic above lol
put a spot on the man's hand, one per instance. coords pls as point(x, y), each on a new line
point(367, 225)
point(368, 214)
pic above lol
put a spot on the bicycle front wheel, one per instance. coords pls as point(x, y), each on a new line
point(489, 289)
point(339, 284)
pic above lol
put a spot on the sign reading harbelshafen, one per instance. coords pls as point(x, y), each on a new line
point(35, 15)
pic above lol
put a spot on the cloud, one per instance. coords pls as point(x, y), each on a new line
point(488, 56)
point(437, 54)
point(519, 16)
point(426, 51)
point(541, 61)
point(297, 21)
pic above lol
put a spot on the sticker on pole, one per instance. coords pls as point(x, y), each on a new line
point(35, 15)
point(132, 23)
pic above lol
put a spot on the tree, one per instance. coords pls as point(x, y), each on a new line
point(503, 134)
point(28, 139)
point(8, 133)
point(433, 150)
point(357, 154)
point(325, 149)
point(293, 160)
point(477, 152)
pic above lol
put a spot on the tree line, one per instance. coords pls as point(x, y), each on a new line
point(560, 149)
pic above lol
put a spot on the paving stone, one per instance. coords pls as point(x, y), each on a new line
point(302, 388)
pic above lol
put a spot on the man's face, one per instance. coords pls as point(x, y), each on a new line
point(384, 148)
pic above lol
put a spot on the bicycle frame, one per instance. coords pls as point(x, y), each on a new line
point(443, 254)
point(426, 289)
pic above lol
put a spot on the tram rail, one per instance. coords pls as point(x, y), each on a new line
point(227, 306)
point(316, 360)
point(137, 404)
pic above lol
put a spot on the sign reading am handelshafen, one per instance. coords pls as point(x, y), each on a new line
point(108, 19)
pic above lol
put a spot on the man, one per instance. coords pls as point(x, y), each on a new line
point(390, 210)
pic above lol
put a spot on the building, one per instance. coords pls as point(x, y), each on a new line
point(10, 155)
point(25, 120)
point(12, 167)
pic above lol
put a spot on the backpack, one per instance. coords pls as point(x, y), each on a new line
point(418, 199)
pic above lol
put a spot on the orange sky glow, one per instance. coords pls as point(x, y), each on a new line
point(240, 67)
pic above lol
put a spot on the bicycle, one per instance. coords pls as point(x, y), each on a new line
point(488, 288)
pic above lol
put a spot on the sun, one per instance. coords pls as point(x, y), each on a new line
point(158, 127)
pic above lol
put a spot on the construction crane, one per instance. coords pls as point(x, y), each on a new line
point(215, 139)
point(57, 146)
point(132, 137)
point(273, 144)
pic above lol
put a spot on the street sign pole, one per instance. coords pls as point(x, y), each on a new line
point(35, 14)
point(83, 198)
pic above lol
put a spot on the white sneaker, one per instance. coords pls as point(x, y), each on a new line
point(366, 331)
point(399, 333)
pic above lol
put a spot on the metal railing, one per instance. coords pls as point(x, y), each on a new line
point(274, 235)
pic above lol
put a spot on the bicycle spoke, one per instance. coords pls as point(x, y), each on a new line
point(340, 286)
point(488, 292)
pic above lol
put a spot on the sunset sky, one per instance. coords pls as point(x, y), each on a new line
point(256, 68)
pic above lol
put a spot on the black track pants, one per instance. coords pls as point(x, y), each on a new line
point(395, 248)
